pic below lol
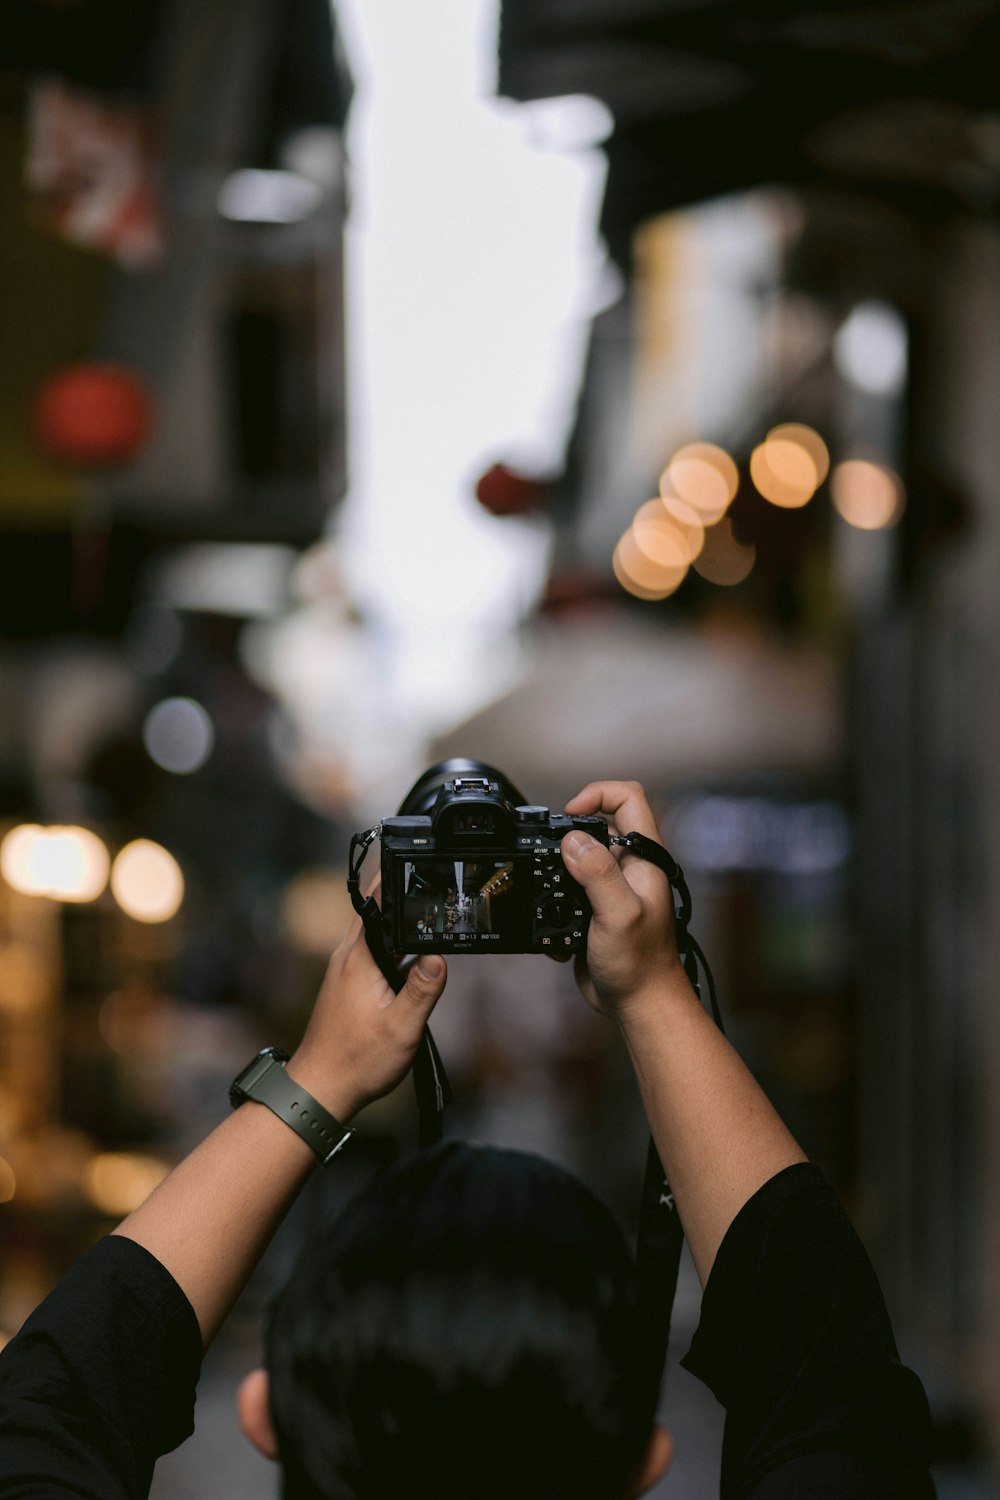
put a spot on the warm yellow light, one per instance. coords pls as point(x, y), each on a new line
point(868, 495)
point(116, 1182)
point(783, 473)
point(691, 523)
point(76, 864)
point(723, 559)
point(808, 439)
point(705, 476)
point(670, 539)
point(147, 881)
point(8, 1182)
point(17, 857)
point(638, 574)
point(791, 465)
point(63, 863)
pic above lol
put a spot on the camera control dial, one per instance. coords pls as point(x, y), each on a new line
point(529, 813)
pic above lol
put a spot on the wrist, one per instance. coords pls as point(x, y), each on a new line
point(322, 1081)
point(656, 998)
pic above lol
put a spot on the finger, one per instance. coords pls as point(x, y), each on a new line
point(425, 981)
point(624, 801)
point(593, 866)
point(373, 887)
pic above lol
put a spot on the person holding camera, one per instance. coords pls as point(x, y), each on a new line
point(468, 1327)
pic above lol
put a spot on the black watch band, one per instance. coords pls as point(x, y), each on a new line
point(266, 1081)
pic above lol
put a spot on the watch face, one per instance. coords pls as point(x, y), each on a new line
point(241, 1088)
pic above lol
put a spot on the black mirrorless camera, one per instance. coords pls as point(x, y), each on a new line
point(469, 867)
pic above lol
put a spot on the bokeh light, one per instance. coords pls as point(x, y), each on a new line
point(640, 575)
point(179, 735)
point(62, 862)
point(868, 495)
point(253, 195)
point(807, 438)
point(870, 349)
point(723, 559)
point(690, 522)
point(667, 538)
point(147, 881)
point(8, 1182)
point(784, 473)
point(703, 475)
point(116, 1182)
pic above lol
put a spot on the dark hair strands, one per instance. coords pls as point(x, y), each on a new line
point(465, 1329)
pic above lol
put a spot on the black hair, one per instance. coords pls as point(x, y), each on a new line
point(466, 1330)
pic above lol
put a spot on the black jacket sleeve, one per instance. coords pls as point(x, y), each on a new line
point(100, 1381)
point(795, 1342)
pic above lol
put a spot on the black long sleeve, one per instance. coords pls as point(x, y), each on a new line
point(795, 1342)
point(100, 1381)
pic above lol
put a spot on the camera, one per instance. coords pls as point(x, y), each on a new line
point(468, 866)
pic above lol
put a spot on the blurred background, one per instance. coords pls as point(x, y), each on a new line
point(600, 388)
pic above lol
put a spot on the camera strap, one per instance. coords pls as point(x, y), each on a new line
point(430, 1081)
point(660, 1236)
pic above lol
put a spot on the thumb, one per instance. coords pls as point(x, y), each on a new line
point(425, 981)
point(595, 868)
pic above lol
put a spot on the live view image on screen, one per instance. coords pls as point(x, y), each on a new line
point(466, 898)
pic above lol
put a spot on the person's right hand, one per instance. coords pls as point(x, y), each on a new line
point(362, 1037)
point(631, 946)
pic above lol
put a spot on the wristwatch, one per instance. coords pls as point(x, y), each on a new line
point(266, 1081)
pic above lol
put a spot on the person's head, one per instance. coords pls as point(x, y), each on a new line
point(467, 1329)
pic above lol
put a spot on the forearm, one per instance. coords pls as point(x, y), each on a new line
point(211, 1219)
point(717, 1134)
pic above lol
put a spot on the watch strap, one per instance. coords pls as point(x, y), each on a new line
point(266, 1082)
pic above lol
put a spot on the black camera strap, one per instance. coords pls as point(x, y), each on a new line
point(430, 1081)
point(660, 1236)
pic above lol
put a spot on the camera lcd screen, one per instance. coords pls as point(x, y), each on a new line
point(460, 901)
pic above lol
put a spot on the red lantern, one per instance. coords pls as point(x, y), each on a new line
point(93, 415)
point(503, 492)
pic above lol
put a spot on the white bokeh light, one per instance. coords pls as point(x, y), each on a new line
point(147, 882)
point(64, 863)
point(256, 197)
point(870, 349)
point(179, 735)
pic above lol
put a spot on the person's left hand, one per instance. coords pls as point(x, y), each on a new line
point(362, 1037)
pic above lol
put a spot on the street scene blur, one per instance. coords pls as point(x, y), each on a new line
point(592, 388)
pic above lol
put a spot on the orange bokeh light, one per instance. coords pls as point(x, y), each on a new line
point(670, 538)
point(703, 475)
point(809, 440)
point(868, 495)
point(783, 473)
point(640, 575)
